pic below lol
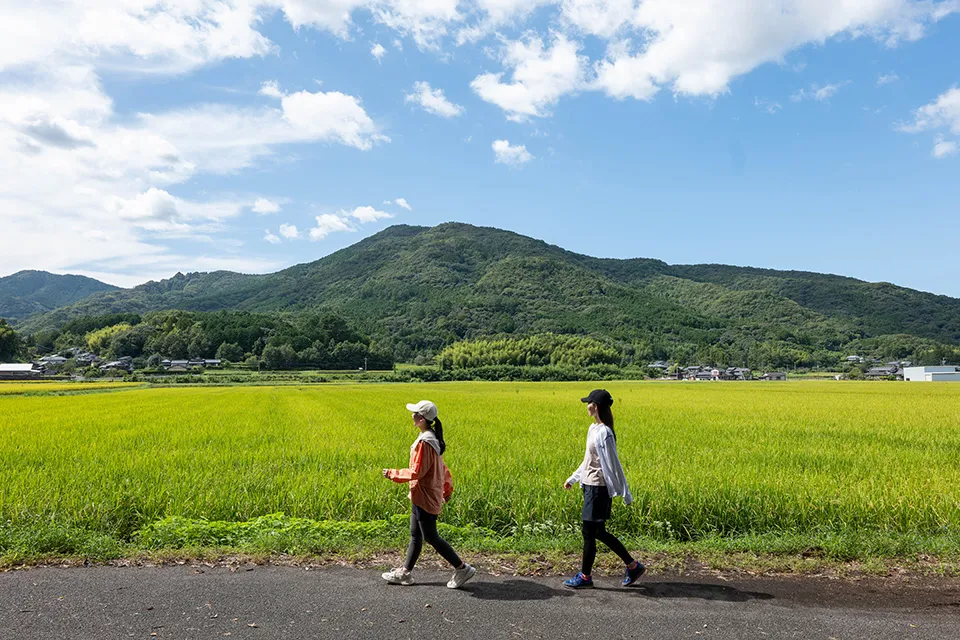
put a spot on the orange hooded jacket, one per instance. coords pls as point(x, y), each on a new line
point(430, 481)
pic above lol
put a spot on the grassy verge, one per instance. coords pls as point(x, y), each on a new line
point(546, 548)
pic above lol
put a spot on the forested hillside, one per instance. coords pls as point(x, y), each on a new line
point(28, 293)
point(417, 290)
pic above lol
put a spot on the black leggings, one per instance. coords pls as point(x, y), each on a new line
point(593, 531)
point(423, 526)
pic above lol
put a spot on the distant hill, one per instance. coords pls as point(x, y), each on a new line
point(28, 293)
point(418, 288)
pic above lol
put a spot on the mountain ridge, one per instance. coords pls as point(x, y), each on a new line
point(29, 292)
point(424, 287)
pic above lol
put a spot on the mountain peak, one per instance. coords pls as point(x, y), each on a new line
point(29, 292)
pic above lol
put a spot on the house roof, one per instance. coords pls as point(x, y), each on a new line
point(16, 367)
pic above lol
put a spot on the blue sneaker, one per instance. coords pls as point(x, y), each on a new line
point(632, 575)
point(579, 582)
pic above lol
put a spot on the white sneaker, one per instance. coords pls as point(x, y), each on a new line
point(461, 575)
point(400, 575)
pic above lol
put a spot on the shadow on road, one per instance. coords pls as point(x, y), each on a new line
point(514, 590)
point(693, 590)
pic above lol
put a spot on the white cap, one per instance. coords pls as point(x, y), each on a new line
point(425, 408)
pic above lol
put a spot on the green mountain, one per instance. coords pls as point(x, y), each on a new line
point(417, 289)
point(28, 293)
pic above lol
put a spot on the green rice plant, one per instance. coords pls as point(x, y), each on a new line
point(853, 469)
point(40, 387)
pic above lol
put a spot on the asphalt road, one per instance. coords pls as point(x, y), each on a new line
point(259, 602)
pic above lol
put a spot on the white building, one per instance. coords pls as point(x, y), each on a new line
point(932, 374)
point(15, 371)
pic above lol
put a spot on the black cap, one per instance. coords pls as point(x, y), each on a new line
point(599, 397)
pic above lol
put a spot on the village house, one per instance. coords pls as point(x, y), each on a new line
point(50, 364)
point(736, 373)
point(17, 371)
point(187, 365)
point(701, 372)
point(86, 359)
point(123, 364)
point(773, 375)
point(891, 370)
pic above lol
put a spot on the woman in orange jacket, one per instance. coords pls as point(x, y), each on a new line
point(430, 486)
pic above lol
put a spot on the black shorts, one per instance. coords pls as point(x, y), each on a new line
point(596, 504)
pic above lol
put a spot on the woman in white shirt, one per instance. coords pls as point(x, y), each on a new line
point(601, 476)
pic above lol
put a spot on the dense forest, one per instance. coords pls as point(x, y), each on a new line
point(274, 341)
point(413, 294)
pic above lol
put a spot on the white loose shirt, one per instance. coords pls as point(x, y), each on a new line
point(601, 437)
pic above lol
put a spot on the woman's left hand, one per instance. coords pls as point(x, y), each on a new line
point(386, 473)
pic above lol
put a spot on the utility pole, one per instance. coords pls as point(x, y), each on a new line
point(364, 364)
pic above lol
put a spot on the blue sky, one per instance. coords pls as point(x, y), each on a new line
point(143, 138)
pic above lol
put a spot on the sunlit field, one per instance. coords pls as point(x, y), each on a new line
point(18, 388)
point(729, 461)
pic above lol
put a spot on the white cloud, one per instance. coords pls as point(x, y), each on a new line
point(328, 223)
point(944, 112)
point(513, 156)
point(819, 93)
point(269, 237)
point(365, 214)
point(767, 105)
point(943, 148)
point(423, 20)
point(887, 78)
point(168, 216)
point(697, 47)
point(602, 18)
point(81, 177)
point(271, 89)
point(499, 12)
point(402, 202)
point(142, 35)
point(538, 79)
point(433, 100)
point(332, 116)
point(223, 139)
point(173, 36)
point(264, 206)
point(289, 231)
point(378, 51)
point(489, 15)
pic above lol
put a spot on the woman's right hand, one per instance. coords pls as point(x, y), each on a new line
point(567, 485)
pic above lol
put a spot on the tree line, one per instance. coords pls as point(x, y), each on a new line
point(271, 341)
point(327, 340)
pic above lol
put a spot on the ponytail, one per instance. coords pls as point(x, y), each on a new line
point(606, 417)
point(437, 428)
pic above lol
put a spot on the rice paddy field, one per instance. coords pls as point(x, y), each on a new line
point(846, 470)
point(26, 388)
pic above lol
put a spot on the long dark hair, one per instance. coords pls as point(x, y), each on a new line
point(606, 417)
point(437, 427)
